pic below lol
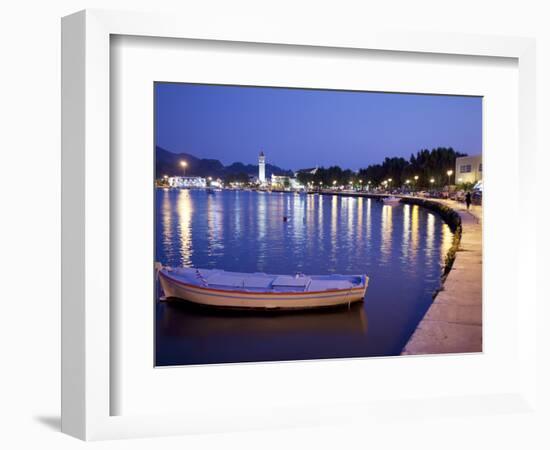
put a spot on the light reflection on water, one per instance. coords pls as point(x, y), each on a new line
point(400, 247)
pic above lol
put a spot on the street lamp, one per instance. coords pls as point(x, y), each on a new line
point(184, 165)
point(415, 183)
point(449, 173)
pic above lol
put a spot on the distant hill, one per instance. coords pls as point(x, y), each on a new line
point(168, 163)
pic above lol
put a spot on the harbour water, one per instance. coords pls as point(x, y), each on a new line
point(401, 249)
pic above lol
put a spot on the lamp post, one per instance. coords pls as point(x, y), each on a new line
point(334, 184)
point(360, 185)
point(184, 165)
point(407, 183)
point(449, 173)
point(432, 181)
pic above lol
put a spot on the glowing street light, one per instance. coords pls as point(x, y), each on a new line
point(415, 183)
point(449, 173)
point(432, 181)
point(334, 183)
point(184, 165)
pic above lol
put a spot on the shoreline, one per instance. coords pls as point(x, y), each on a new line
point(453, 322)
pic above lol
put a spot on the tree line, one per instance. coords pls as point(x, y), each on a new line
point(426, 165)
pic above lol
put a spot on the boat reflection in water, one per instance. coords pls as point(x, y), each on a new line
point(201, 334)
point(400, 248)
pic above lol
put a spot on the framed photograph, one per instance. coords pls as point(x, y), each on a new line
point(252, 218)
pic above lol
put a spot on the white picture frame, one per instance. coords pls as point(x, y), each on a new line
point(86, 325)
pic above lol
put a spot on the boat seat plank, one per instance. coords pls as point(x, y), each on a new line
point(323, 285)
point(223, 279)
point(258, 282)
point(289, 281)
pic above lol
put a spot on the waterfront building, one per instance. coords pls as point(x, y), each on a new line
point(261, 168)
point(469, 169)
point(187, 182)
point(280, 181)
point(217, 183)
point(285, 182)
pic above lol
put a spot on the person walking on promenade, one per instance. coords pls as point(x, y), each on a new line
point(468, 200)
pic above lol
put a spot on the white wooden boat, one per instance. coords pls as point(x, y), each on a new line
point(259, 290)
point(391, 200)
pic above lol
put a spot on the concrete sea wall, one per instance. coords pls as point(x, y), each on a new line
point(453, 323)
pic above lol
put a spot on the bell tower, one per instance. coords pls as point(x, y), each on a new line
point(261, 167)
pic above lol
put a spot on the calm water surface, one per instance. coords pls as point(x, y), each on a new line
point(401, 249)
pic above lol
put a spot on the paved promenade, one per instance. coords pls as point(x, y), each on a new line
point(453, 324)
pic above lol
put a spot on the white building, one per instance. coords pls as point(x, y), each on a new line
point(280, 181)
point(285, 182)
point(469, 169)
point(187, 182)
point(261, 168)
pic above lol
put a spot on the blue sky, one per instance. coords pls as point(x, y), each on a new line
point(299, 128)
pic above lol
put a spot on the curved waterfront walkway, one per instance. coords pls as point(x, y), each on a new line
point(453, 323)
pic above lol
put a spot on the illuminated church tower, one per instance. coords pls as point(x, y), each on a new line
point(261, 167)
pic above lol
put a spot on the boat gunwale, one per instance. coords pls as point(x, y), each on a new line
point(364, 278)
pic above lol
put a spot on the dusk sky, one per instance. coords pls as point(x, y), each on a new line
point(298, 128)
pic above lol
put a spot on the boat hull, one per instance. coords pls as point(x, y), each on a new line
point(175, 289)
